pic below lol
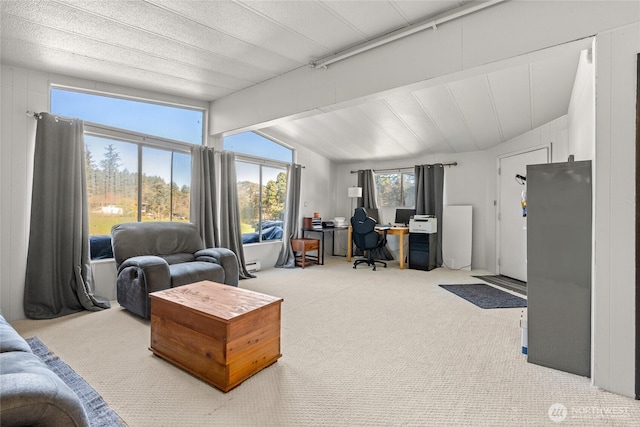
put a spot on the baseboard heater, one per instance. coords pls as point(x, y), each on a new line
point(253, 266)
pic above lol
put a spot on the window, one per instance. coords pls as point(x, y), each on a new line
point(135, 172)
point(258, 146)
point(396, 189)
point(261, 169)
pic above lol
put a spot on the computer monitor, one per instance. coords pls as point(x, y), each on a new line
point(404, 215)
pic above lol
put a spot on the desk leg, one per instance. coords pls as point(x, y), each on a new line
point(349, 242)
point(401, 251)
point(322, 263)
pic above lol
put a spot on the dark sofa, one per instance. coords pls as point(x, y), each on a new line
point(153, 256)
point(30, 393)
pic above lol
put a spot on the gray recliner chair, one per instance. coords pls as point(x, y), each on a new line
point(153, 256)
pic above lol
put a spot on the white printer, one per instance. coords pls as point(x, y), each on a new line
point(423, 224)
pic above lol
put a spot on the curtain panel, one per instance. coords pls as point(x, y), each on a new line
point(286, 258)
point(58, 279)
point(429, 197)
point(367, 182)
point(204, 208)
point(230, 226)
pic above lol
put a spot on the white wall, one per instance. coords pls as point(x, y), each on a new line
point(615, 204)
point(554, 133)
point(582, 109)
point(20, 91)
point(473, 182)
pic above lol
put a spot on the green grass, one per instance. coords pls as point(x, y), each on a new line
point(100, 224)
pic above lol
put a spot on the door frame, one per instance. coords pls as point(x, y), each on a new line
point(637, 306)
point(497, 201)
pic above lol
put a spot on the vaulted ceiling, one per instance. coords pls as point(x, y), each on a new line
point(206, 50)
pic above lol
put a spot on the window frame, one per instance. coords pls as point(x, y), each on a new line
point(402, 173)
point(185, 106)
point(262, 162)
point(139, 139)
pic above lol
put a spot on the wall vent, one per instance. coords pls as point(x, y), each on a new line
point(253, 266)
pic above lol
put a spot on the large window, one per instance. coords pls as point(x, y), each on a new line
point(261, 169)
point(140, 171)
point(396, 189)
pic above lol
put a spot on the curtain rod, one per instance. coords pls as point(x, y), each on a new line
point(56, 118)
point(410, 168)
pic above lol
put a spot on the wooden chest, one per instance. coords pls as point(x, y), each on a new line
point(304, 245)
point(219, 333)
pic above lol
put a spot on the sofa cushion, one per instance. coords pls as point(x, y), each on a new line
point(10, 340)
point(32, 395)
point(153, 238)
point(191, 272)
point(178, 258)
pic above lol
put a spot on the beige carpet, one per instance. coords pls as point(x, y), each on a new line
point(360, 348)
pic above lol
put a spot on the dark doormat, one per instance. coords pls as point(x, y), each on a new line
point(506, 282)
point(486, 296)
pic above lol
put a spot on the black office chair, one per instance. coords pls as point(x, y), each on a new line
point(366, 238)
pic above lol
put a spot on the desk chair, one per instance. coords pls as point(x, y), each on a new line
point(366, 238)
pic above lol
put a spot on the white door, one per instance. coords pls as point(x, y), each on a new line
point(512, 226)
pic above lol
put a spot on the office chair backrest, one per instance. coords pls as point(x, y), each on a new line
point(364, 234)
point(373, 213)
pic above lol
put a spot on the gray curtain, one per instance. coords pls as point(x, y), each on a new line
point(429, 198)
point(58, 278)
point(230, 229)
point(203, 195)
point(368, 184)
point(286, 258)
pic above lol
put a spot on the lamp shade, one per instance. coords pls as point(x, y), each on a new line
point(354, 191)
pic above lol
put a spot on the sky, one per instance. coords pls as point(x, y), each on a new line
point(169, 122)
point(154, 119)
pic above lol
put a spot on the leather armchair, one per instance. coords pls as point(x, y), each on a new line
point(366, 238)
point(153, 256)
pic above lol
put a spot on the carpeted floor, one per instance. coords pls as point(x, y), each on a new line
point(98, 412)
point(359, 348)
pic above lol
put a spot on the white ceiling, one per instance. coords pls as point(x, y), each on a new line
point(206, 50)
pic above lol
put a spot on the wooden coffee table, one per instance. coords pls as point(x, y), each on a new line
point(219, 333)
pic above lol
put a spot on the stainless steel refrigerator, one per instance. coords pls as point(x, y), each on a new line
point(559, 221)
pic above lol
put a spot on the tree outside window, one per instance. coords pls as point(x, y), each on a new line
point(112, 184)
point(118, 133)
point(396, 189)
point(262, 193)
point(261, 169)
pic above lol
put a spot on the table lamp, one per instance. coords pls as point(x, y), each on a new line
point(354, 193)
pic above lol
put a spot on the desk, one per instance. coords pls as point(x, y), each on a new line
point(323, 231)
point(395, 231)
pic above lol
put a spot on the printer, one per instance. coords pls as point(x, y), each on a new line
point(340, 221)
point(427, 224)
